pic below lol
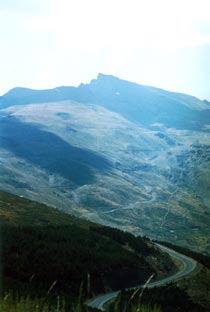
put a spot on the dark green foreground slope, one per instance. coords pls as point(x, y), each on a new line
point(42, 246)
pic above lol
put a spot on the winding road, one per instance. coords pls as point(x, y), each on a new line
point(132, 206)
point(188, 266)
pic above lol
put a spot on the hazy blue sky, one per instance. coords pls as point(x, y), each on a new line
point(49, 43)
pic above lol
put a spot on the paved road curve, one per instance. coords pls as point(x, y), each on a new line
point(188, 266)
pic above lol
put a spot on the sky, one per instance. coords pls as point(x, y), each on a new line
point(51, 43)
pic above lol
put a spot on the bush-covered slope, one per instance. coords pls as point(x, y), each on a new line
point(42, 246)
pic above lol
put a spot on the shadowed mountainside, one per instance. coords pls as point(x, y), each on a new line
point(50, 152)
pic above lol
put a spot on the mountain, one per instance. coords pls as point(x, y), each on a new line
point(115, 152)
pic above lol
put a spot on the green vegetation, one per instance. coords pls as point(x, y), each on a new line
point(198, 287)
point(140, 244)
point(27, 304)
point(165, 299)
point(11, 303)
point(18, 211)
point(67, 254)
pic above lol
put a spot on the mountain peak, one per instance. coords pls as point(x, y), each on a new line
point(104, 76)
point(107, 81)
point(101, 78)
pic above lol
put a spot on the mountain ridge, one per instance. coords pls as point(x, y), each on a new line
point(17, 91)
point(101, 79)
point(116, 94)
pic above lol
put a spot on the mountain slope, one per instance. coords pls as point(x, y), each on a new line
point(115, 152)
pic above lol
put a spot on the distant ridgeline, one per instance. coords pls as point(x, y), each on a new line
point(142, 104)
